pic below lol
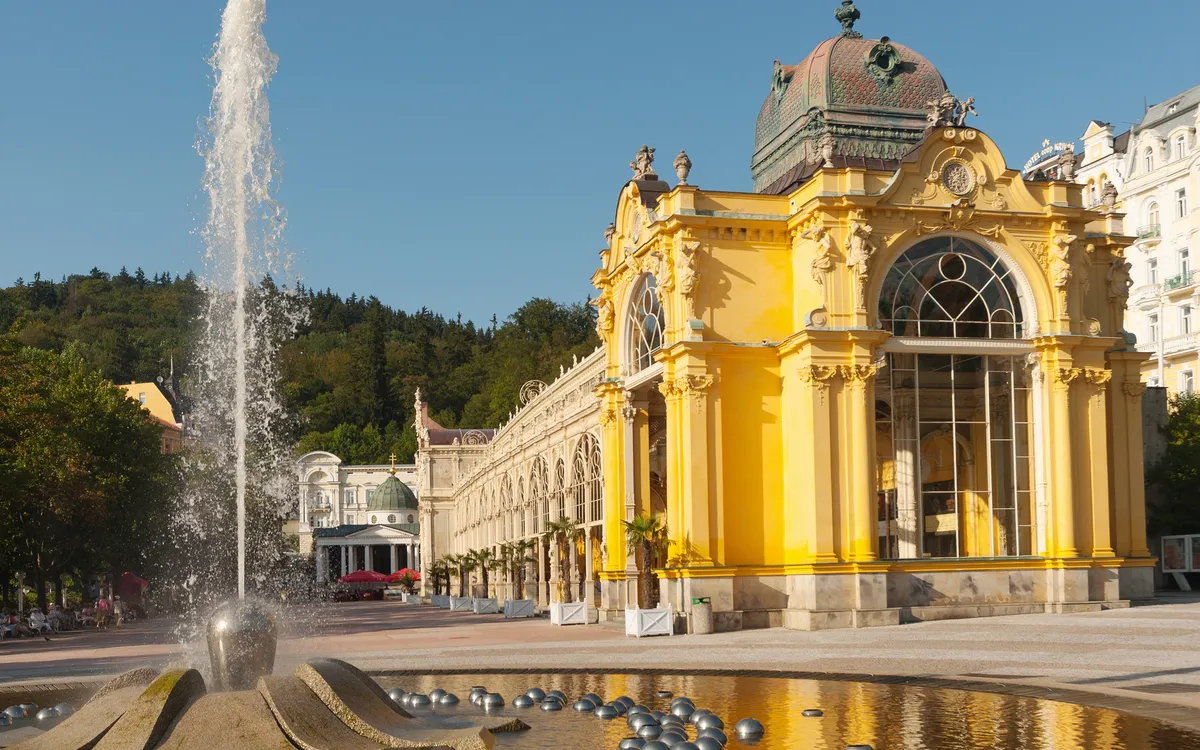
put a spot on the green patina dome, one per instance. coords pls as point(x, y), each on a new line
point(393, 495)
point(866, 97)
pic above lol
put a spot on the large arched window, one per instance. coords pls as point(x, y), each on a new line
point(521, 509)
point(954, 425)
point(948, 287)
point(1152, 215)
point(539, 481)
point(595, 481)
point(560, 489)
point(1148, 160)
point(645, 324)
point(579, 483)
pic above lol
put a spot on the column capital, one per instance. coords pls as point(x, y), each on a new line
point(1062, 377)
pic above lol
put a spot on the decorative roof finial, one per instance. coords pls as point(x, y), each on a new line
point(846, 16)
point(683, 165)
point(392, 458)
point(642, 164)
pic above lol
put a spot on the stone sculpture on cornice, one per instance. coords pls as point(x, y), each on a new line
point(604, 314)
point(688, 275)
point(1060, 270)
point(858, 258)
point(1119, 281)
point(962, 110)
point(609, 231)
point(643, 164)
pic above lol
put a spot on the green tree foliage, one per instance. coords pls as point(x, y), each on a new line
point(349, 375)
point(1177, 473)
point(85, 488)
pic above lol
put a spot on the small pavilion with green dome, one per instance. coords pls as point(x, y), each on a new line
point(389, 540)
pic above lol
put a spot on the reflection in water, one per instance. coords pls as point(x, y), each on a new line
point(886, 717)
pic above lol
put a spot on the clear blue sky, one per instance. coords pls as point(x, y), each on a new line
point(466, 156)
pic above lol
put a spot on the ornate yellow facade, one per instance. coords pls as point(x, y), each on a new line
point(777, 336)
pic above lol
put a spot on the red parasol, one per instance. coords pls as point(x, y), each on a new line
point(134, 579)
point(363, 576)
point(399, 574)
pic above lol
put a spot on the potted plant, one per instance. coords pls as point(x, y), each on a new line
point(563, 534)
point(464, 564)
point(441, 575)
point(514, 556)
point(484, 560)
point(646, 535)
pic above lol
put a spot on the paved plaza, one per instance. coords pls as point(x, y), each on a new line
point(1121, 658)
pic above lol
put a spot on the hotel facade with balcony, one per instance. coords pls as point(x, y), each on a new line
point(1160, 188)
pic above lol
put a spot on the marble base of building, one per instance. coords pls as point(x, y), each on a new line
point(924, 592)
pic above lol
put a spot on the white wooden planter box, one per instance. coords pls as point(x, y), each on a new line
point(484, 606)
point(518, 608)
point(569, 613)
point(413, 599)
point(440, 600)
point(462, 604)
point(642, 622)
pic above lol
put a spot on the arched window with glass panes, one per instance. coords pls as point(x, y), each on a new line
point(522, 510)
point(955, 423)
point(560, 489)
point(646, 324)
point(539, 480)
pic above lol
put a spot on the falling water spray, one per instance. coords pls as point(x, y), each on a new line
point(239, 418)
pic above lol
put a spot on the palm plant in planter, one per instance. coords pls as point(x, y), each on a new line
point(647, 536)
point(483, 560)
point(567, 534)
point(437, 570)
point(463, 564)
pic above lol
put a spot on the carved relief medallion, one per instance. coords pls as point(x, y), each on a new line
point(957, 178)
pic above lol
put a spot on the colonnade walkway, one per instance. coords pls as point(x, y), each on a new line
point(1128, 659)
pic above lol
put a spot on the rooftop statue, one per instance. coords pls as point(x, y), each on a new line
point(642, 164)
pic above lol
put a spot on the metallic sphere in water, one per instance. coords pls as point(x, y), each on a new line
point(535, 693)
point(716, 734)
point(241, 643)
point(606, 712)
point(522, 701)
point(748, 729)
point(649, 731)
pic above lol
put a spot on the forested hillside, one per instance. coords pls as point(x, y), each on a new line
point(351, 371)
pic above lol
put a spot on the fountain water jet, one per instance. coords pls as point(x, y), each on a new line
point(238, 410)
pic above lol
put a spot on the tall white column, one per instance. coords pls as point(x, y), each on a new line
point(322, 560)
point(366, 557)
point(395, 565)
point(345, 559)
point(417, 560)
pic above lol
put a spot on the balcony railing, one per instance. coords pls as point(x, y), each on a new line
point(1180, 281)
point(1149, 231)
point(1182, 343)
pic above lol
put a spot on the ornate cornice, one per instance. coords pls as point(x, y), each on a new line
point(817, 376)
point(1097, 376)
point(688, 384)
point(857, 373)
point(1134, 389)
point(1064, 376)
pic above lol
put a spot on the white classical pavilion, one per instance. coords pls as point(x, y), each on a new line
point(359, 517)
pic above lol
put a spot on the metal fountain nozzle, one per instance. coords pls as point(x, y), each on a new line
point(241, 643)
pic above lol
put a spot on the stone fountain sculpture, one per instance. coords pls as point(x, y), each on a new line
point(324, 703)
